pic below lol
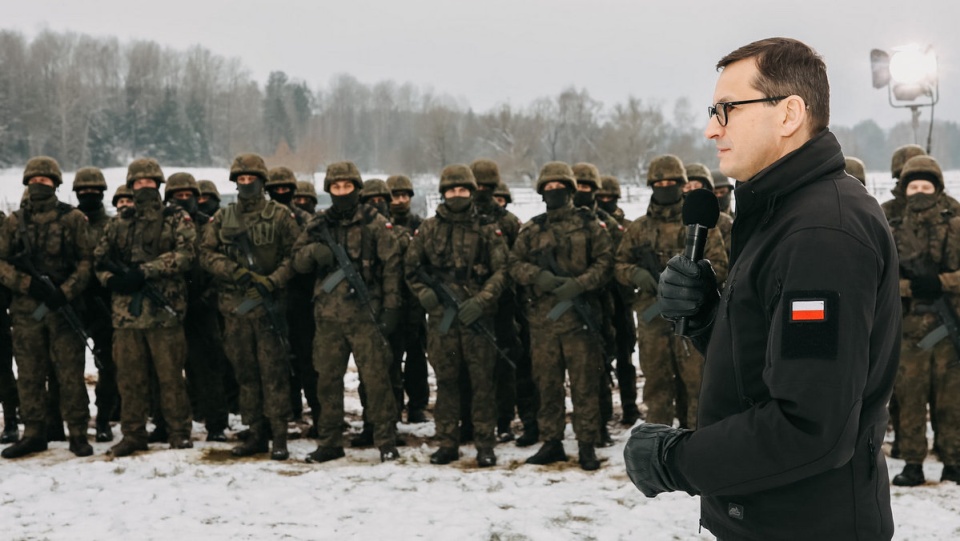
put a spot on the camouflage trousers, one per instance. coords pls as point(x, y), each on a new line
point(45, 349)
point(163, 351)
point(261, 368)
point(333, 343)
point(672, 370)
point(928, 377)
point(579, 353)
point(450, 354)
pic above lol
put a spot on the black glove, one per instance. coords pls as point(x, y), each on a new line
point(926, 287)
point(128, 282)
point(645, 456)
point(389, 320)
point(52, 296)
point(689, 289)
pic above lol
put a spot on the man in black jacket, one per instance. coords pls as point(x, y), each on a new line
point(802, 350)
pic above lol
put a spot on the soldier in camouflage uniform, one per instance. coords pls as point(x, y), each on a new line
point(501, 194)
point(281, 186)
point(142, 258)
point(46, 239)
point(699, 177)
point(8, 383)
point(560, 256)
point(458, 249)
point(894, 208)
point(928, 243)
point(410, 346)
point(89, 185)
point(305, 197)
point(345, 324)
point(856, 169)
point(487, 174)
point(247, 249)
point(672, 368)
point(209, 199)
point(206, 359)
point(723, 190)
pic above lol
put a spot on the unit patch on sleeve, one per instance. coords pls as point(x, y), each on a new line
point(811, 326)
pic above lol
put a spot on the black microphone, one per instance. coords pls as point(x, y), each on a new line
point(701, 210)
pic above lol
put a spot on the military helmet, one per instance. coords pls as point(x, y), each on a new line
point(457, 175)
point(400, 183)
point(556, 172)
point(855, 168)
point(306, 189)
point(342, 171)
point(248, 164)
point(609, 186)
point(144, 168)
point(720, 180)
point(666, 167)
point(122, 191)
point(698, 171)
point(900, 157)
point(281, 176)
point(502, 190)
point(922, 167)
point(587, 173)
point(42, 166)
point(486, 172)
point(89, 178)
point(373, 187)
point(181, 181)
point(209, 189)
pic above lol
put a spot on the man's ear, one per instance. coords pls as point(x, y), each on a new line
point(795, 115)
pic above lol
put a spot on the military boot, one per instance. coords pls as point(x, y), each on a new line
point(325, 454)
point(416, 415)
point(588, 457)
point(25, 446)
point(950, 473)
point(78, 441)
point(127, 447)
point(364, 438)
point(630, 415)
point(551, 451)
point(159, 434)
point(504, 432)
point(445, 455)
point(388, 453)
point(279, 450)
point(605, 439)
point(530, 436)
point(216, 434)
point(11, 432)
point(181, 442)
point(911, 476)
point(255, 444)
point(55, 432)
point(104, 431)
point(486, 457)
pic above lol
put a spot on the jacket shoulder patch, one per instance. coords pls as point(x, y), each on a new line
point(811, 328)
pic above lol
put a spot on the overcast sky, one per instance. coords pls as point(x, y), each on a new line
point(513, 51)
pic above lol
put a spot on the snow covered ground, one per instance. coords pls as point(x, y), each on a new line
point(205, 493)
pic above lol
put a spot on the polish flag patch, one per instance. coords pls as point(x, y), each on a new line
point(808, 310)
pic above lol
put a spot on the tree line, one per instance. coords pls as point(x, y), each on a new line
point(96, 101)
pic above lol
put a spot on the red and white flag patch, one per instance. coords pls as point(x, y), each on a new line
point(808, 310)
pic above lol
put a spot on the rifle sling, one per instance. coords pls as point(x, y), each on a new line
point(933, 338)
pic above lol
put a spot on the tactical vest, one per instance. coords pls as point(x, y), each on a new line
point(50, 250)
point(261, 232)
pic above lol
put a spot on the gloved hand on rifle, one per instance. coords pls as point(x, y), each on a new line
point(256, 283)
point(568, 290)
point(428, 299)
point(646, 458)
point(389, 320)
point(48, 294)
point(548, 281)
point(644, 280)
point(689, 289)
point(321, 254)
point(127, 283)
point(926, 287)
point(470, 311)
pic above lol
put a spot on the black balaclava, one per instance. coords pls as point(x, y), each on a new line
point(253, 190)
point(609, 206)
point(209, 207)
point(90, 201)
point(667, 195)
point(282, 198)
point(556, 198)
point(40, 192)
point(584, 199)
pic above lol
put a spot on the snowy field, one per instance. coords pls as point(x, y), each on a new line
point(204, 493)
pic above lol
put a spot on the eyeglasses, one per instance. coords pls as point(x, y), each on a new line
point(721, 108)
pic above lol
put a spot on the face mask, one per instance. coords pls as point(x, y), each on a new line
point(209, 207)
point(250, 191)
point(89, 202)
point(343, 204)
point(725, 201)
point(40, 192)
point(484, 197)
point(458, 204)
point(609, 206)
point(282, 198)
point(382, 207)
point(583, 199)
point(400, 208)
point(144, 196)
point(307, 207)
point(556, 198)
point(127, 212)
point(189, 205)
point(920, 202)
point(667, 195)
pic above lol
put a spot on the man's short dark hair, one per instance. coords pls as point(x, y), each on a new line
point(787, 67)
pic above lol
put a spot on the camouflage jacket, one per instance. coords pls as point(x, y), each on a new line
point(270, 230)
point(582, 249)
point(725, 226)
point(60, 248)
point(370, 244)
point(408, 222)
point(662, 232)
point(161, 242)
point(621, 217)
point(506, 221)
point(463, 252)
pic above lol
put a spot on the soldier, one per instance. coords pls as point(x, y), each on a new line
point(123, 200)
point(305, 197)
point(928, 242)
point(505, 326)
point(8, 383)
point(356, 260)
point(723, 190)
point(205, 356)
point(855, 168)
point(894, 208)
point(457, 262)
point(45, 261)
point(282, 186)
point(89, 185)
point(209, 199)
point(698, 176)
point(608, 198)
point(502, 195)
point(247, 249)
point(564, 257)
point(410, 345)
point(672, 368)
point(142, 258)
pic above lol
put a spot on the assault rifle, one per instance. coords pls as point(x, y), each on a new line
point(948, 319)
point(548, 260)
point(148, 290)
